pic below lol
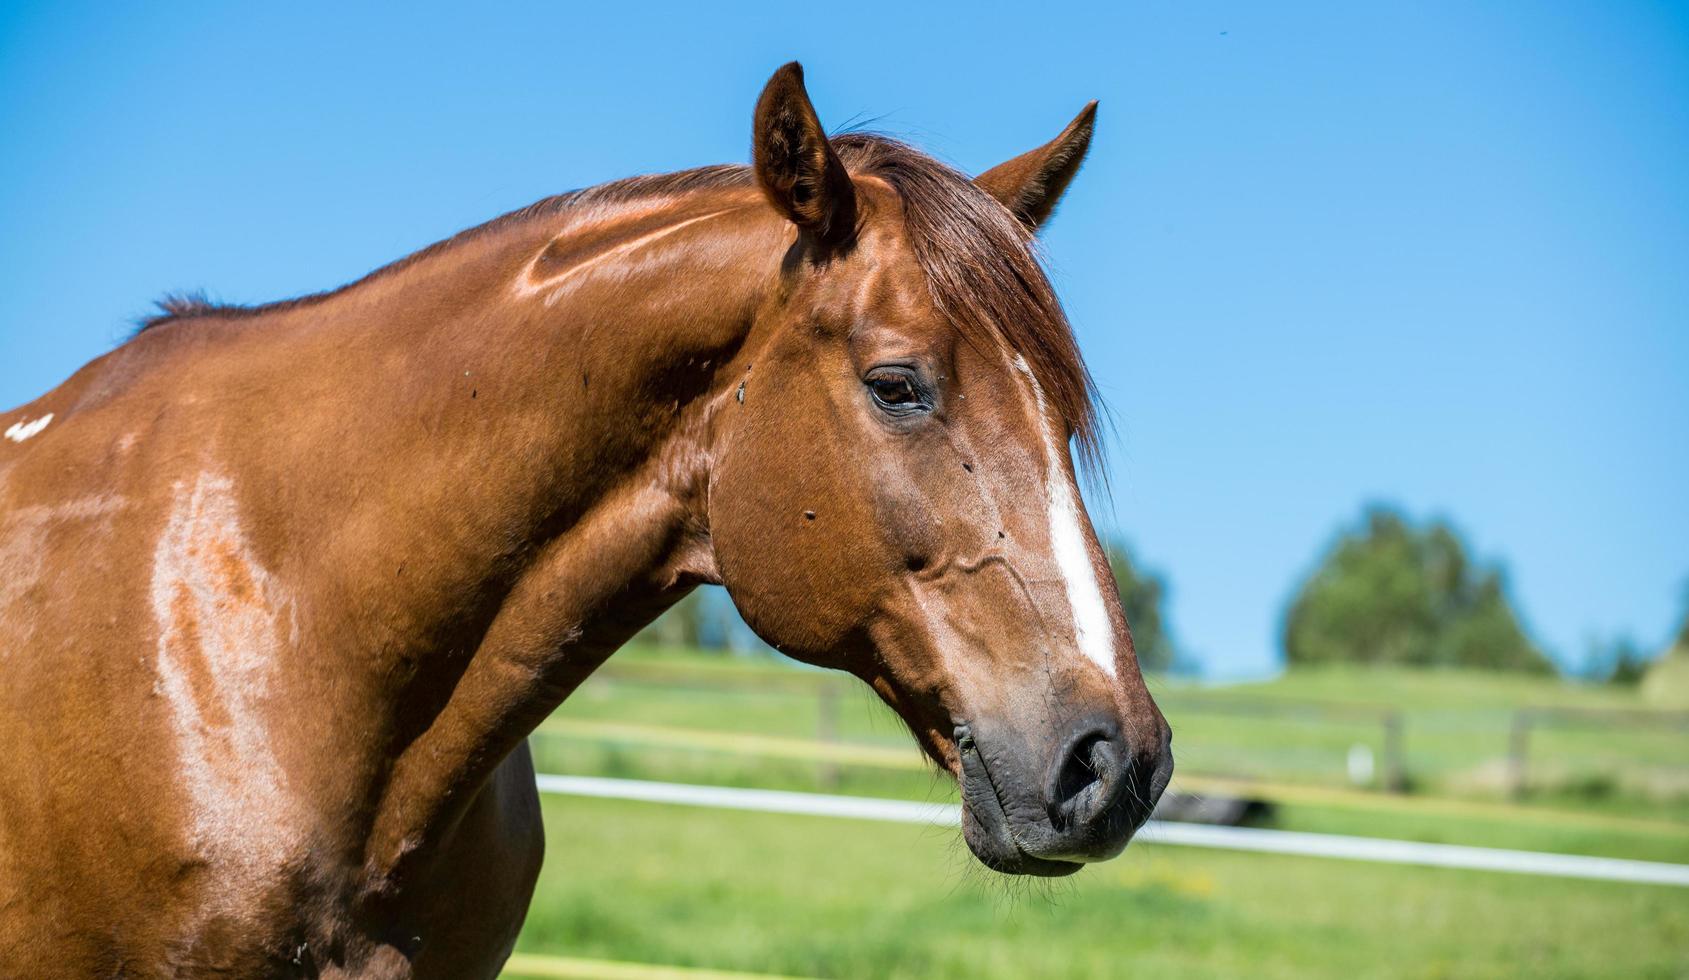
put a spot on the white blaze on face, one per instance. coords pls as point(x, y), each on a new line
point(218, 643)
point(1093, 632)
point(19, 431)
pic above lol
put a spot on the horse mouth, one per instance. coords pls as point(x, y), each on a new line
point(985, 820)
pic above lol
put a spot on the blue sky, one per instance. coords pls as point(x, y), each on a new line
point(1431, 254)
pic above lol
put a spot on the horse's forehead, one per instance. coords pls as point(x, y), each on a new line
point(882, 283)
point(886, 292)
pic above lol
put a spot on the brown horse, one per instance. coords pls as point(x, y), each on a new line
point(283, 589)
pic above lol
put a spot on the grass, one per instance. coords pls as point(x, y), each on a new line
point(1589, 745)
point(1372, 815)
point(833, 898)
point(754, 722)
point(810, 896)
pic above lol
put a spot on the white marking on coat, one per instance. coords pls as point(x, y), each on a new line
point(1092, 630)
point(20, 431)
point(219, 640)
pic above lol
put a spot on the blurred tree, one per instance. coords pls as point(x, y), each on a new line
point(681, 625)
point(1630, 664)
point(1618, 661)
point(1666, 684)
point(704, 620)
point(1141, 594)
point(1682, 642)
point(1395, 594)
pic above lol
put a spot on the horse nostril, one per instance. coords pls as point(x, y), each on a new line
point(1087, 780)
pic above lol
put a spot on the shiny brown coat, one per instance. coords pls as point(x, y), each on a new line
point(284, 589)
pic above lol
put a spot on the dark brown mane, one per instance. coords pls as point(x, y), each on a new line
point(979, 261)
point(187, 305)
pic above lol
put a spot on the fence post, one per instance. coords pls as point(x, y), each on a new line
point(827, 730)
point(1395, 772)
point(1518, 753)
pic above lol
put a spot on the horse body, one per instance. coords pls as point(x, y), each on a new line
point(283, 590)
point(325, 558)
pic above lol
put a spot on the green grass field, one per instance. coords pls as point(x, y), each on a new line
point(809, 896)
point(812, 896)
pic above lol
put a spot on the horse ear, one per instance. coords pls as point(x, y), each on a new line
point(795, 165)
point(1031, 184)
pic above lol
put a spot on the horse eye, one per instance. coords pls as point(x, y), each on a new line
point(893, 391)
point(897, 391)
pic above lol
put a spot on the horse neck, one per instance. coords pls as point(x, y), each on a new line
point(550, 390)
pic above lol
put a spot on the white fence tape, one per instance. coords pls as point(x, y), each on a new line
point(1157, 832)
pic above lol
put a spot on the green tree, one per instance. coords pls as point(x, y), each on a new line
point(1615, 661)
point(681, 626)
point(1682, 642)
point(1392, 593)
point(1630, 664)
point(1666, 683)
point(1141, 593)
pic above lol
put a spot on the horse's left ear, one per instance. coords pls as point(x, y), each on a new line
point(1031, 184)
point(796, 166)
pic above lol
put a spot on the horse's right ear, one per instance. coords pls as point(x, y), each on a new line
point(795, 166)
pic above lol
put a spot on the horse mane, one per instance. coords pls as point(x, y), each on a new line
point(980, 262)
point(174, 307)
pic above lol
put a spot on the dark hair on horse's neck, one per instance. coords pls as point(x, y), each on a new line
point(980, 263)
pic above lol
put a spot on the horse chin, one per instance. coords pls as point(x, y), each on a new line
point(985, 823)
point(988, 839)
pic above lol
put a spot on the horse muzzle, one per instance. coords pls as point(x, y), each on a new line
point(1050, 813)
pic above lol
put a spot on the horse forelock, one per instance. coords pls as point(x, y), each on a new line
point(983, 269)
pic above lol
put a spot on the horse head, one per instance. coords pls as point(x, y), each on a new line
point(895, 494)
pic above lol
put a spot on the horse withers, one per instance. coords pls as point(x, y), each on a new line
point(283, 589)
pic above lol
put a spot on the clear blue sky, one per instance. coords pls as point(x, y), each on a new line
point(1432, 254)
